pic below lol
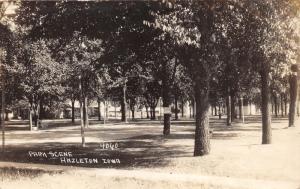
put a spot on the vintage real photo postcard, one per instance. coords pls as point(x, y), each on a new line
point(150, 94)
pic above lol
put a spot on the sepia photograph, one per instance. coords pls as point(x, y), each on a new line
point(150, 94)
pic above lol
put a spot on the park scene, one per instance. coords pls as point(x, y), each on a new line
point(150, 94)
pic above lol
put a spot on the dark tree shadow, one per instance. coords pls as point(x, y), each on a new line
point(132, 154)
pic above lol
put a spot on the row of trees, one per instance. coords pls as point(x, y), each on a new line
point(247, 38)
point(206, 52)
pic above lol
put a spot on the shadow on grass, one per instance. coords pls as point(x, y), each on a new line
point(131, 154)
point(175, 136)
point(134, 152)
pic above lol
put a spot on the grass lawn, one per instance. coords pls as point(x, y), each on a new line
point(149, 160)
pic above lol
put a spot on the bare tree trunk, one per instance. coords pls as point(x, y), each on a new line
point(30, 118)
point(166, 104)
point(147, 112)
point(99, 110)
point(233, 113)
point(123, 105)
point(228, 105)
point(250, 104)
point(275, 105)
point(182, 108)
point(293, 95)
point(219, 111)
point(216, 112)
point(132, 113)
point(266, 118)
point(176, 108)
point(123, 113)
point(86, 112)
point(281, 105)
point(104, 112)
point(37, 115)
point(190, 110)
point(272, 107)
point(153, 113)
point(202, 143)
point(298, 108)
point(73, 111)
point(193, 108)
point(242, 109)
point(82, 123)
point(81, 112)
point(285, 105)
point(278, 105)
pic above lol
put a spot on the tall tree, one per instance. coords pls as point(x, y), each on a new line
point(38, 73)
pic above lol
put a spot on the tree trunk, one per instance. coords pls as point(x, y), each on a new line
point(81, 112)
point(278, 105)
point(123, 105)
point(298, 108)
point(250, 104)
point(166, 104)
point(167, 124)
point(202, 143)
point(132, 113)
point(35, 119)
point(37, 115)
point(176, 108)
point(266, 118)
point(104, 112)
point(228, 105)
point(281, 105)
point(293, 96)
point(194, 108)
point(285, 105)
point(190, 110)
point(272, 107)
point(153, 113)
point(30, 118)
point(220, 113)
point(147, 112)
point(73, 111)
point(182, 109)
point(233, 113)
point(240, 109)
point(99, 110)
point(275, 105)
point(82, 123)
point(123, 112)
point(85, 112)
point(216, 112)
